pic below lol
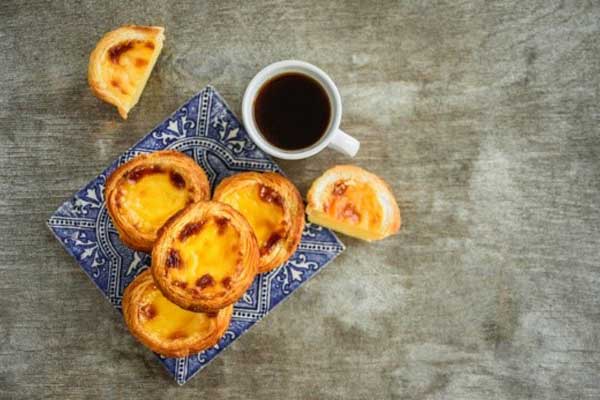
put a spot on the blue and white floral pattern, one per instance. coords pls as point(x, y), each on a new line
point(205, 129)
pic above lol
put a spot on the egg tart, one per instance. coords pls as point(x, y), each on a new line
point(274, 209)
point(166, 328)
point(205, 257)
point(353, 201)
point(121, 64)
point(142, 194)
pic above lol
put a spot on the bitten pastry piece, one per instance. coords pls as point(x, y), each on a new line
point(274, 209)
point(353, 201)
point(122, 62)
point(166, 328)
point(205, 257)
point(142, 194)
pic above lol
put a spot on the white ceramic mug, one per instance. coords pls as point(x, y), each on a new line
point(334, 137)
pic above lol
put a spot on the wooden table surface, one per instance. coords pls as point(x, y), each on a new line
point(482, 115)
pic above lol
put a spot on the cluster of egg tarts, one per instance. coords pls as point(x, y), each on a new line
point(206, 252)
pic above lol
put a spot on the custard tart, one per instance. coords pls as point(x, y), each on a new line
point(166, 328)
point(353, 201)
point(274, 209)
point(142, 194)
point(205, 257)
point(121, 64)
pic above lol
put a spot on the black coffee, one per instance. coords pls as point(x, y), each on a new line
point(292, 111)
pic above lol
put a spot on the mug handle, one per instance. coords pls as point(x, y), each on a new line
point(344, 143)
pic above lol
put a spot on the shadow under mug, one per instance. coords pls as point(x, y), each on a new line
point(333, 137)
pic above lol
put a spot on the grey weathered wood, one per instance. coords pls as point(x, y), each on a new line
point(482, 115)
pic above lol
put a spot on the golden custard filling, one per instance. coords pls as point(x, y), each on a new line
point(356, 204)
point(263, 209)
point(160, 317)
point(205, 255)
point(127, 66)
point(150, 196)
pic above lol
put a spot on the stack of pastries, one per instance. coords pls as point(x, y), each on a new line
point(206, 253)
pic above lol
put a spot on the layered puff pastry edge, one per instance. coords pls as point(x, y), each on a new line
point(164, 327)
point(353, 201)
point(142, 194)
point(206, 257)
point(121, 64)
point(273, 207)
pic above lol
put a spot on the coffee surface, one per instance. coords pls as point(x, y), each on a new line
point(292, 111)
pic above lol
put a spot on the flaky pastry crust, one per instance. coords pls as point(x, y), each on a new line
point(165, 328)
point(274, 208)
point(206, 257)
point(348, 199)
point(113, 75)
point(181, 179)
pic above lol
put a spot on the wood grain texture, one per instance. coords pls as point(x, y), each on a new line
point(483, 117)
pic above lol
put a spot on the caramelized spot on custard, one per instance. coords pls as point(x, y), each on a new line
point(173, 259)
point(148, 311)
point(226, 282)
point(115, 52)
point(212, 314)
point(221, 224)
point(140, 62)
point(179, 284)
point(271, 241)
point(339, 188)
point(205, 281)
point(117, 84)
point(177, 335)
point(351, 214)
point(138, 173)
point(270, 196)
point(177, 180)
point(190, 229)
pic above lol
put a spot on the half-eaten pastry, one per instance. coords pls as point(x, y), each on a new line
point(353, 201)
point(122, 62)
